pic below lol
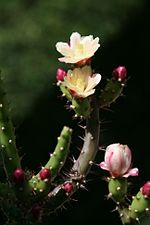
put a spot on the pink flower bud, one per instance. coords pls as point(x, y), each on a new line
point(146, 189)
point(118, 161)
point(45, 173)
point(18, 176)
point(68, 187)
point(60, 74)
point(120, 73)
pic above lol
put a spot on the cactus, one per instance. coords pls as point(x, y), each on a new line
point(139, 206)
point(117, 189)
point(111, 92)
point(9, 154)
point(25, 196)
point(55, 163)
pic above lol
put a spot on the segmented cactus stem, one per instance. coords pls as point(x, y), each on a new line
point(139, 207)
point(91, 142)
point(9, 153)
point(59, 195)
point(111, 92)
point(55, 163)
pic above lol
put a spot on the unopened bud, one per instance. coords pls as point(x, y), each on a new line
point(120, 73)
point(146, 189)
point(60, 74)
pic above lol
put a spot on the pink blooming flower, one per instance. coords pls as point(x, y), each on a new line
point(81, 82)
point(80, 48)
point(146, 189)
point(118, 161)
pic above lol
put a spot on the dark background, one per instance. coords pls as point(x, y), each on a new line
point(29, 31)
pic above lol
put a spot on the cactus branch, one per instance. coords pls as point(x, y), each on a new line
point(55, 163)
point(8, 149)
point(81, 167)
point(111, 92)
point(91, 142)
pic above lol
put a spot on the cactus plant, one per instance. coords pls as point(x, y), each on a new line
point(35, 196)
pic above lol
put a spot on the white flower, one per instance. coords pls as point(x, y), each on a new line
point(79, 48)
point(81, 82)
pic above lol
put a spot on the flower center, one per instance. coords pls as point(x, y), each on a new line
point(80, 84)
point(79, 49)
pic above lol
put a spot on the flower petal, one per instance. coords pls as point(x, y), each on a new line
point(93, 81)
point(91, 44)
point(75, 39)
point(64, 49)
point(103, 166)
point(68, 60)
point(86, 94)
point(132, 172)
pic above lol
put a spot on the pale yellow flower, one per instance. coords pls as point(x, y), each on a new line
point(81, 81)
point(79, 48)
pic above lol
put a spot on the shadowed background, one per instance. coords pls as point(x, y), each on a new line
point(29, 30)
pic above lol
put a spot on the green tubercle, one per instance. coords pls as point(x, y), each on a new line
point(8, 151)
point(139, 206)
point(117, 188)
point(81, 107)
point(55, 163)
point(111, 92)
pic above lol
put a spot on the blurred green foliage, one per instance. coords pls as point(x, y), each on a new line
point(29, 30)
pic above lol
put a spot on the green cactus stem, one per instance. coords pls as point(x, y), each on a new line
point(81, 167)
point(55, 163)
point(91, 141)
point(8, 150)
point(81, 107)
point(117, 189)
point(65, 91)
point(124, 215)
point(140, 206)
point(111, 92)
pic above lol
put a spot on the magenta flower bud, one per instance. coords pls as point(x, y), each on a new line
point(118, 161)
point(60, 74)
point(120, 73)
point(68, 187)
point(45, 173)
point(146, 189)
point(18, 176)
